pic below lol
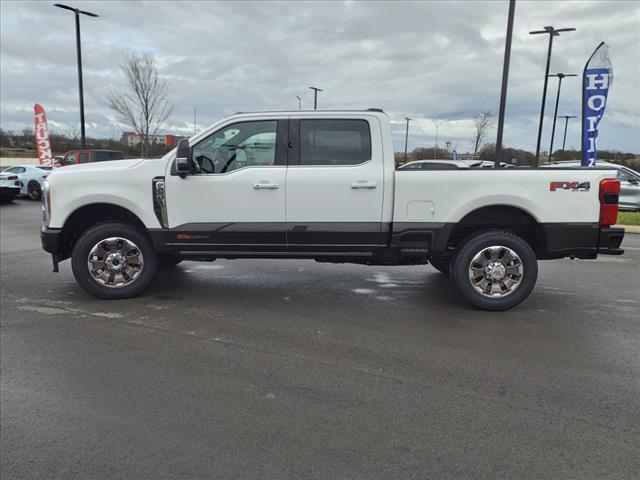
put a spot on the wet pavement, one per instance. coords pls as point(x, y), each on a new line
point(295, 369)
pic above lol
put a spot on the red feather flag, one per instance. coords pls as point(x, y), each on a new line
point(43, 143)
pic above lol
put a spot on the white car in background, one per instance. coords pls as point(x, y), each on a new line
point(30, 178)
point(9, 186)
point(450, 164)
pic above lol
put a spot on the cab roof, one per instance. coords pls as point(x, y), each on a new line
point(319, 112)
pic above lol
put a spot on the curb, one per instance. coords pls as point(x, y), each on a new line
point(629, 228)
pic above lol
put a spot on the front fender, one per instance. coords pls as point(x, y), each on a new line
point(124, 183)
point(138, 205)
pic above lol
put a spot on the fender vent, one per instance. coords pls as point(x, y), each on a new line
point(160, 201)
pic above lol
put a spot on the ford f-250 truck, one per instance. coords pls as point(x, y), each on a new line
point(323, 186)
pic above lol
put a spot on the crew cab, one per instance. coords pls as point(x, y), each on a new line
point(323, 186)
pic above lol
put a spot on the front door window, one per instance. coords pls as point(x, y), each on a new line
point(240, 145)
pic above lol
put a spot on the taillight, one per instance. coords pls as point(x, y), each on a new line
point(609, 193)
point(13, 177)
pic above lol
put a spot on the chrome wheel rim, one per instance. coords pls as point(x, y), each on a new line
point(115, 262)
point(496, 271)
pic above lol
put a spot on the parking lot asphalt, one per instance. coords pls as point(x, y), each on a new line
point(295, 369)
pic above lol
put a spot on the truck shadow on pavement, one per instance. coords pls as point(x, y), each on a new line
point(356, 287)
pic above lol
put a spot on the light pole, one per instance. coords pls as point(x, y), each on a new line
point(555, 113)
point(78, 50)
point(406, 139)
point(195, 121)
point(299, 102)
point(505, 81)
point(315, 96)
point(566, 123)
point(435, 151)
point(552, 32)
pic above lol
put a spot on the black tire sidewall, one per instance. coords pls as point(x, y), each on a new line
point(99, 232)
point(469, 249)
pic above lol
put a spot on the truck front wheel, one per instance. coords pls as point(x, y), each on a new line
point(113, 261)
point(494, 270)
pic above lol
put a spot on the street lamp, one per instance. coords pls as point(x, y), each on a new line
point(299, 102)
point(315, 96)
point(566, 122)
point(435, 152)
point(78, 12)
point(406, 139)
point(195, 121)
point(555, 114)
point(552, 32)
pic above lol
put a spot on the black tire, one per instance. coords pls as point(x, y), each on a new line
point(166, 260)
point(475, 245)
point(93, 236)
point(441, 264)
point(34, 191)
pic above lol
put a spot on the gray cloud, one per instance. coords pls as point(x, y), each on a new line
point(431, 61)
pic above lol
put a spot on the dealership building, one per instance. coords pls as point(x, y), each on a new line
point(132, 139)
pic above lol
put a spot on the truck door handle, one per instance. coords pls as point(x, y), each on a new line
point(363, 184)
point(265, 186)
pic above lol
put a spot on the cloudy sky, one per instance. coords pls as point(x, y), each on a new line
point(436, 62)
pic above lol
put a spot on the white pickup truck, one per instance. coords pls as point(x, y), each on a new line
point(323, 186)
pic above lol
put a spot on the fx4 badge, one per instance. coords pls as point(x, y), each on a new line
point(572, 186)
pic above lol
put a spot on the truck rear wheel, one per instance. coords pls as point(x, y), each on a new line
point(494, 270)
point(113, 261)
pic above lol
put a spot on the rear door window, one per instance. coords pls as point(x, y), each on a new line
point(84, 157)
point(334, 142)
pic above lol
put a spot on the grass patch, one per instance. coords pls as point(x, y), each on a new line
point(629, 218)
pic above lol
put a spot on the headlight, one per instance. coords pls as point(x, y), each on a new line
point(46, 203)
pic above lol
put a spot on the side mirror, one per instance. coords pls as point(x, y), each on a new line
point(184, 164)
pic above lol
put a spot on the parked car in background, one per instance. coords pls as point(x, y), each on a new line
point(73, 157)
point(629, 182)
point(30, 178)
point(9, 186)
point(450, 164)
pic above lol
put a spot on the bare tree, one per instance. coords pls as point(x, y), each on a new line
point(144, 103)
point(481, 123)
point(72, 134)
